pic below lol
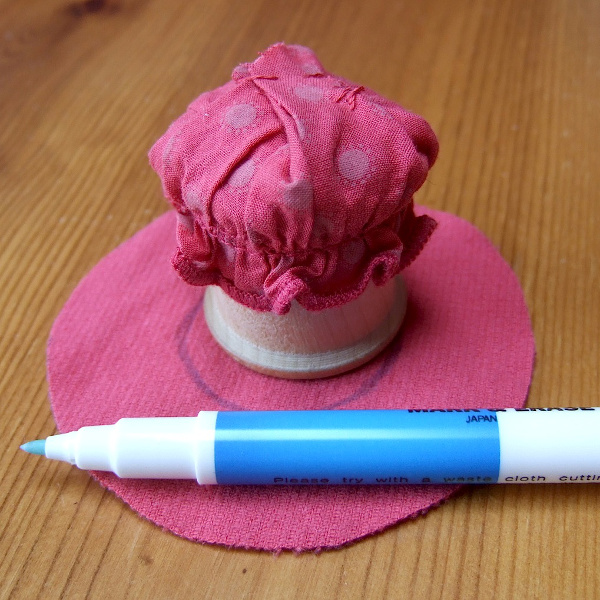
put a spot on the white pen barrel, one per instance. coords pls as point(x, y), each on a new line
point(549, 445)
point(160, 448)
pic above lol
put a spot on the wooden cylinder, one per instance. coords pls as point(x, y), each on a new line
point(304, 344)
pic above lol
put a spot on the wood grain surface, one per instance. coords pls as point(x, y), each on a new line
point(513, 90)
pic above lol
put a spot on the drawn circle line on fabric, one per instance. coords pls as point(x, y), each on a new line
point(183, 333)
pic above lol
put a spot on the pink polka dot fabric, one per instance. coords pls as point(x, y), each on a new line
point(293, 183)
point(132, 342)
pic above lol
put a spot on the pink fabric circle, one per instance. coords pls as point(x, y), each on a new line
point(132, 342)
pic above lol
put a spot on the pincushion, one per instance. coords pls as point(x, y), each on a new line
point(292, 183)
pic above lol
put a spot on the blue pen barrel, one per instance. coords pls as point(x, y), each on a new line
point(356, 447)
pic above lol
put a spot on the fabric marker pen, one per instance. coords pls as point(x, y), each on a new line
point(351, 447)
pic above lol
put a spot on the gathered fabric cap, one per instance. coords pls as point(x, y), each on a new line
point(291, 183)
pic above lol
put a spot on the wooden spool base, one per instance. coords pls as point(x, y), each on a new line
point(304, 344)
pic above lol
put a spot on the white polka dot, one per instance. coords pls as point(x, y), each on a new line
point(229, 252)
point(353, 164)
point(167, 156)
point(242, 175)
point(380, 110)
point(241, 71)
point(186, 221)
point(312, 69)
point(312, 93)
point(298, 195)
point(194, 201)
point(301, 127)
point(201, 264)
point(240, 115)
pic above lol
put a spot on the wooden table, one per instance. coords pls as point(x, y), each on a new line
point(513, 90)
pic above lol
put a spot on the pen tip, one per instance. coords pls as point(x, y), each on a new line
point(35, 447)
